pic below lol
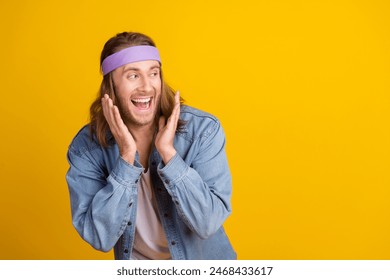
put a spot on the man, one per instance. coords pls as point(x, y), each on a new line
point(148, 175)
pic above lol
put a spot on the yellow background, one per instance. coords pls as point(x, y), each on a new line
point(301, 88)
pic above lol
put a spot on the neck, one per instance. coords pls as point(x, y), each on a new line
point(142, 132)
point(143, 137)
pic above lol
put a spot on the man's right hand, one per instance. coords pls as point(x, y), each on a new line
point(123, 137)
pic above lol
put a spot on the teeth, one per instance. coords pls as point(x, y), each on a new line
point(141, 100)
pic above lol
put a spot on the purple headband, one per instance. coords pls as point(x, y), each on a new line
point(129, 55)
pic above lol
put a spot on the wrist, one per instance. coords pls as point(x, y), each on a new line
point(129, 157)
point(166, 156)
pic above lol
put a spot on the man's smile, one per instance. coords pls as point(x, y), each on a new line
point(142, 103)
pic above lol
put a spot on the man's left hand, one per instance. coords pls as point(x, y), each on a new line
point(166, 133)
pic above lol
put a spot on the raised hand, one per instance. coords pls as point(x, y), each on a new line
point(123, 137)
point(166, 132)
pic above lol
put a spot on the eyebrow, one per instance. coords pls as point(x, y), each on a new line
point(138, 69)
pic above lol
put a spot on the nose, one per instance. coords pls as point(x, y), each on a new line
point(145, 84)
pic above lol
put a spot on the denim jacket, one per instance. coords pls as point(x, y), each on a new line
point(193, 191)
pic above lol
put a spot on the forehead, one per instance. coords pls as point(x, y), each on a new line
point(145, 65)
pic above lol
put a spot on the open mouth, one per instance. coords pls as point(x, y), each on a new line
point(142, 103)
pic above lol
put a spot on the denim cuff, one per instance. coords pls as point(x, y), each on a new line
point(174, 170)
point(125, 173)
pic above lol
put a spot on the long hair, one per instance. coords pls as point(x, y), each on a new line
point(98, 124)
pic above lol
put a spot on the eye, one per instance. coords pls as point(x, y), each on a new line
point(154, 74)
point(132, 76)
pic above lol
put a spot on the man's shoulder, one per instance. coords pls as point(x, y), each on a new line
point(188, 113)
point(198, 123)
point(84, 141)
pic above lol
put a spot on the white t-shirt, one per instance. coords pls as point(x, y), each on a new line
point(150, 242)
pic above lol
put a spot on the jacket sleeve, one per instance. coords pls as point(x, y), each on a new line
point(101, 205)
point(201, 189)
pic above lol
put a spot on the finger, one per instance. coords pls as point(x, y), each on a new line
point(122, 128)
point(161, 123)
point(117, 116)
point(105, 106)
point(177, 104)
point(177, 97)
point(172, 122)
point(174, 118)
point(108, 112)
point(118, 119)
point(111, 109)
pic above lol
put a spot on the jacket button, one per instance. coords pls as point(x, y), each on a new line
point(129, 223)
point(167, 181)
point(131, 203)
point(153, 163)
point(177, 202)
point(173, 243)
point(126, 251)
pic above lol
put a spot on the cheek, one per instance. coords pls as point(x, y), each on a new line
point(157, 86)
point(124, 89)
